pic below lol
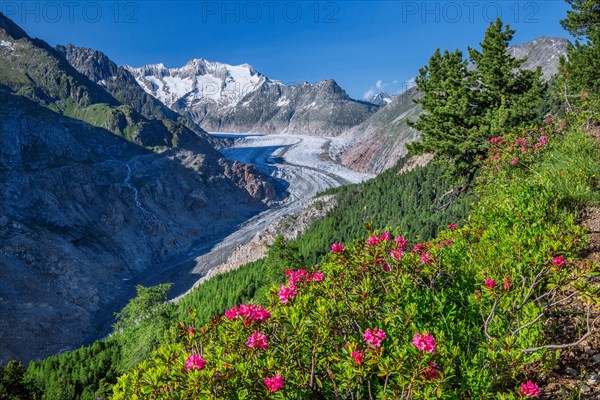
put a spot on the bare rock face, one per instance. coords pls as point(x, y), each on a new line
point(415, 161)
point(380, 141)
point(238, 99)
point(249, 178)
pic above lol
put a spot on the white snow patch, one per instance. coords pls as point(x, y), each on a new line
point(199, 81)
point(283, 101)
point(4, 43)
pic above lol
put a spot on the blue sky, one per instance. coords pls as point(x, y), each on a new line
point(357, 43)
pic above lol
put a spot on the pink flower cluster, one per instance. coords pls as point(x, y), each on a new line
point(424, 342)
point(490, 283)
point(195, 362)
point(303, 275)
point(373, 240)
point(425, 258)
point(358, 356)
point(287, 292)
point(374, 337)
point(385, 236)
point(543, 141)
point(530, 389)
point(498, 140)
point(452, 226)
point(431, 372)
point(257, 340)
point(249, 312)
point(274, 383)
point(337, 247)
point(559, 261)
point(397, 254)
point(401, 242)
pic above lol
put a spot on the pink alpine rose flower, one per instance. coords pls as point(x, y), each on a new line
point(559, 261)
point(257, 340)
point(401, 242)
point(431, 372)
point(490, 283)
point(337, 247)
point(452, 226)
point(318, 276)
point(373, 240)
point(274, 383)
point(232, 313)
point(195, 362)
point(385, 236)
point(297, 276)
point(530, 389)
point(397, 254)
point(287, 292)
point(246, 311)
point(425, 258)
point(507, 284)
point(358, 356)
point(261, 314)
point(374, 337)
point(424, 342)
point(514, 161)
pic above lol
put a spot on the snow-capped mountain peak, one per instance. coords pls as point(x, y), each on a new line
point(237, 98)
point(197, 81)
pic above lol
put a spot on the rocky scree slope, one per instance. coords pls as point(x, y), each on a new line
point(380, 141)
point(225, 98)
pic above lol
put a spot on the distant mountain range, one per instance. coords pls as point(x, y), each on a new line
point(225, 98)
point(382, 98)
point(380, 141)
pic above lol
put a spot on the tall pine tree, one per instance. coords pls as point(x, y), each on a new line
point(507, 96)
point(449, 126)
point(464, 108)
point(580, 70)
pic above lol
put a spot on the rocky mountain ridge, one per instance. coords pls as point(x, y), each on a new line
point(225, 98)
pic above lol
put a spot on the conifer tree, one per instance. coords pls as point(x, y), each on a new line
point(449, 126)
point(506, 95)
point(465, 108)
point(580, 70)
